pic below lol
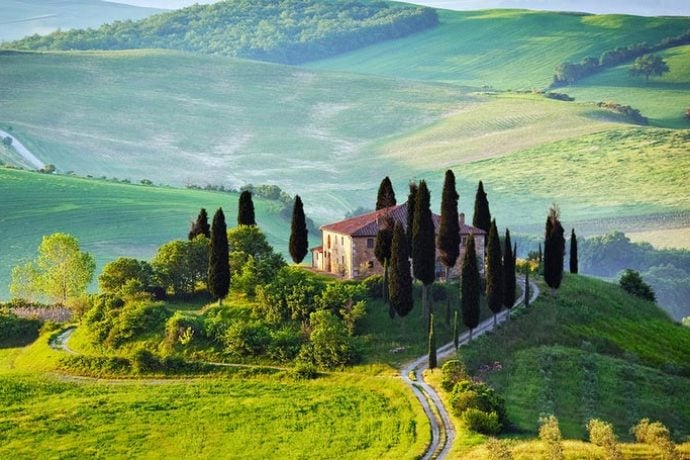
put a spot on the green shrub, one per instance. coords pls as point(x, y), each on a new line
point(550, 435)
point(467, 394)
point(17, 331)
point(145, 361)
point(601, 434)
point(330, 344)
point(374, 286)
point(481, 422)
point(285, 343)
point(182, 328)
point(247, 338)
point(304, 370)
point(290, 296)
point(136, 318)
point(95, 366)
point(453, 371)
point(632, 282)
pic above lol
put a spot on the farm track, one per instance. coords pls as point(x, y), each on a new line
point(23, 151)
point(442, 432)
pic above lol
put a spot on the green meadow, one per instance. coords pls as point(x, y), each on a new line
point(109, 219)
point(664, 100)
point(242, 416)
point(505, 49)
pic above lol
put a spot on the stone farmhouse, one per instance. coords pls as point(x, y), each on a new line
point(348, 246)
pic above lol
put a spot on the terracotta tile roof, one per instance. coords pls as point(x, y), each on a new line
point(367, 225)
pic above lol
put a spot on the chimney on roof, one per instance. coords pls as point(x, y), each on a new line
point(462, 218)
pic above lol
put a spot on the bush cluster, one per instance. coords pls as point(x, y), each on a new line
point(657, 435)
point(487, 413)
point(17, 331)
point(601, 434)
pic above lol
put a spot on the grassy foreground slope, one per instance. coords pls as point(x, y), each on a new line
point(663, 100)
point(178, 118)
point(109, 219)
point(591, 351)
point(237, 416)
point(506, 49)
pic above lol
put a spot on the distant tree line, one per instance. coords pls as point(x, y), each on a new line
point(288, 32)
point(568, 73)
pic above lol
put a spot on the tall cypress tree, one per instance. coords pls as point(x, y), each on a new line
point(527, 293)
point(245, 214)
point(200, 226)
point(432, 344)
point(299, 244)
point(382, 250)
point(386, 195)
point(509, 280)
point(218, 259)
point(400, 280)
point(411, 204)
point(554, 250)
point(494, 272)
point(456, 330)
point(423, 244)
point(482, 214)
point(470, 286)
point(573, 252)
point(449, 230)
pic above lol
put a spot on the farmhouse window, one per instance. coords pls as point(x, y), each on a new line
point(370, 243)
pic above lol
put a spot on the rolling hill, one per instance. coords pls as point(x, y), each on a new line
point(504, 49)
point(591, 351)
point(109, 219)
point(663, 100)
point(22, 18)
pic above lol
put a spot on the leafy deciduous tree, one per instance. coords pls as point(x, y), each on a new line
point(648, 65)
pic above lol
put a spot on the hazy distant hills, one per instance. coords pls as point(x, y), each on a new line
point(637, 7)
point(20, 18)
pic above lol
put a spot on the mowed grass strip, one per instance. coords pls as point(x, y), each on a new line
point(109, 219)
point(506, 49)
point(664, 100)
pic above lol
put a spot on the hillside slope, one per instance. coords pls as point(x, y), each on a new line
point(505, 49)
point(109, 219)
point(591, 351)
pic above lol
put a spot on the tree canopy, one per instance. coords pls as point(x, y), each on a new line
point(509, 279)
point(245, 212)
point(482, 213)
point(423, 244)
point(400, 282)
point(554, 249)
point(200, 226)
point(218, 259)
point(648, 65)
point(299, 244)
point(449, 229)
point(288, 32)
point(470, 286)
point(494, 271)
point(386, 195)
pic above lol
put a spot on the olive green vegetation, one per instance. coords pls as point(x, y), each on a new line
point(506, 49)
point(290, 32)
point(599, 176)
point(243, 122)
point(664, 100)
point(109, 219)
point(346, 416)
point(591, 351)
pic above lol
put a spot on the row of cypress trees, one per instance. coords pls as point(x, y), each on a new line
point(218, 261)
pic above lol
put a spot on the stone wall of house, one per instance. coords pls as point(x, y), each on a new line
point(337, 252)
point(364, 262)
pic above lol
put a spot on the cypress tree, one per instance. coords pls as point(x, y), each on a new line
point(400, 280)
point(382, 250)
point(573, 252)
point(527, 286)
point(509, 280)
point(423, 245)
point(456, 330)
point(494, 272)
point(540, 259)
point(554, 250)
point(245, 214)
point(386, 194)
point(218, 259)
point(449, 230)
point(470, 286)
point(432, 344)
point(411, 204)
point(200, 226)
point(299, 244)
point(482, 214)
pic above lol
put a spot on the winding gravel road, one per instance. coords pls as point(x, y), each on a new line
point(23, 151)
point(442, 432)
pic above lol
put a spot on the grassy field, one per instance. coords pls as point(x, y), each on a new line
point(346, 416)
point(506, 49)
point(109, 219)
point(21, 18)
point(592, 351)
point(626, 172)
point(213, 120)
point(663, 100)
